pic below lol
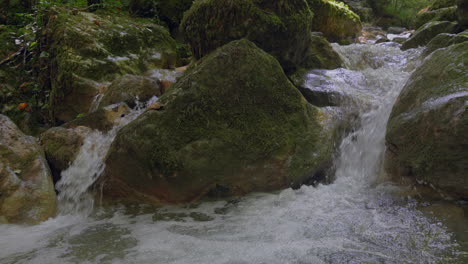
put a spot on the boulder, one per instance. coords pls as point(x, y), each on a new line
point(335, 20)
point(103, 119)
point(427, 32)
point(85, 51)
point(61, 146)
point(26, 189)
point(281, 28)
point(131, 88)
point(361, 8)
point(231, 125)
point(442, 14)
point(426, 133)
point(444, 40)
point(321, 55)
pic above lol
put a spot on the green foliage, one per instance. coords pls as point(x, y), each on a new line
point(402, 12)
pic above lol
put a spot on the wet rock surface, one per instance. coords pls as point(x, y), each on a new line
point(27, 193)
point(426, 133)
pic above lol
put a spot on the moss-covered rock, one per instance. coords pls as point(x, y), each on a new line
point(442, 14)
point(427, 32)
point(444, 40)
point(103, 119)
point(131, 88)
point(335, 20)
point(61, 146)
point(26, 189)
point(85, 51)
point(321, 55)
point(281, 28)
point(231, 125)
point(426, 133)
point(361, 8)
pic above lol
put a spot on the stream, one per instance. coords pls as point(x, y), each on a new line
point(360, 218)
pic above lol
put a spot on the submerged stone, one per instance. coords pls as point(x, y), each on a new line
point(426, 133)
point(231, 125)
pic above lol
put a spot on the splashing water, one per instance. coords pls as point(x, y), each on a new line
point(74, 196)
point(359, 218)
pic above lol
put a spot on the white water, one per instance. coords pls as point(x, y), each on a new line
point(358, 219)
point(74, 195)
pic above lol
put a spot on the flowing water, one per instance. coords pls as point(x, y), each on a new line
point(360, 218)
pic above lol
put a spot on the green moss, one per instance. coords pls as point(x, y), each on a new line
point(234, 121)
point(88, 49)
point(427, 129)
point(335, 20)
point(281, 28)
point(427, 32)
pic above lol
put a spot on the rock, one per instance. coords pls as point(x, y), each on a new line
point(443, 14)
point(83, 56)
point(444, 40)
point(362, 8)
point(382, 40)
point(426, 134)
point(130, 89)
point(281, 28)
point(231, 125)
point(27, 193)
point(61, 146)
point(337, 22)
point(103, 119)
point(396, 30)
point(462, 13)
point(427, 32)
point(321, 55)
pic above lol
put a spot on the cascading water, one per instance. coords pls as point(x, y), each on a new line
point(359, 218)
point(74, 196)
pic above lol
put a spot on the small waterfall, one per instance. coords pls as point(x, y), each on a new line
point(74, 196)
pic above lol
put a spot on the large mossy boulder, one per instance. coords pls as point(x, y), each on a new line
point(427, 32)
point(335, 20)
point(85, 51)
point(231, 125)
point(427, 131)
point(281, 28)
point(26, 189)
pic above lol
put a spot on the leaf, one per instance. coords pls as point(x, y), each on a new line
point(44, 54)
